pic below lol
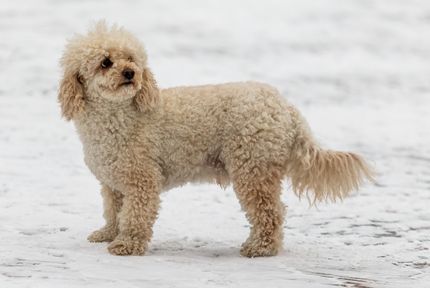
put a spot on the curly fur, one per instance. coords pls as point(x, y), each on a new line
point(139, 140)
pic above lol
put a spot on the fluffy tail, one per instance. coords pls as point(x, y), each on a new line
point(330, 175)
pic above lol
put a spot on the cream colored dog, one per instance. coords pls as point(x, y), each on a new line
point(139, 141)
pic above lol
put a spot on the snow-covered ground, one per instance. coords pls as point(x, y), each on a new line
point(358, 70)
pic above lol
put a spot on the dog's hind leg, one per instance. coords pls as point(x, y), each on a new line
point(258, 189)
point(112, 202)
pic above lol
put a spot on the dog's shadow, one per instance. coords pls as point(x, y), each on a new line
point(200, 247)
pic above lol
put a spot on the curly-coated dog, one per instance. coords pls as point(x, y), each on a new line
point(139, 141)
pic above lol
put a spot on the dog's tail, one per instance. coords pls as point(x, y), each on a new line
point(330, 175)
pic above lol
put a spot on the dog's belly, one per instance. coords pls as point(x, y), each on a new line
point(208, 168)
point(200, 174)
point(105, 163)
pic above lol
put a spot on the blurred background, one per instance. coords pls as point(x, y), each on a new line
point(357, 69)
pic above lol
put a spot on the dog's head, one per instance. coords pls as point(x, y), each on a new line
point(109, 64)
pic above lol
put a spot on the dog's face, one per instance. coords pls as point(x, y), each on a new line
point(109, 65)
point(113, 74)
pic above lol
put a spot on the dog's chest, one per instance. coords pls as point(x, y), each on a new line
point(101, 155)
point(106, 149)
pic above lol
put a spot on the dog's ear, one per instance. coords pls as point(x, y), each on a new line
point(149, 95)
point(71, 95)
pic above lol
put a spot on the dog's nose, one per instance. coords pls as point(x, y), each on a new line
point(128, 74)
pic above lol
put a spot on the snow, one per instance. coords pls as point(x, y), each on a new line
point(358, 70)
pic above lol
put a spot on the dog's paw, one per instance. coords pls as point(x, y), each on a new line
point(127, 247)
point(102, 235)
point(257, 248)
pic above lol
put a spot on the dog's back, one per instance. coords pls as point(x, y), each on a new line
point(207, 128)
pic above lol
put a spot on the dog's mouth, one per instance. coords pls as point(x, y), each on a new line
point(127, 83)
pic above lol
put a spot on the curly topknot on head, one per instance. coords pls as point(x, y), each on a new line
point(100, 39)
point(107, 61)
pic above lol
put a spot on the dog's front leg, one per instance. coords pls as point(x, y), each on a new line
point(138, 213)
point(112, 202)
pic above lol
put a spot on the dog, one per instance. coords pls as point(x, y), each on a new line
point(140, 140)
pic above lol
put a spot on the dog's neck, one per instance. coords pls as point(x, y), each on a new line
point(102, 120)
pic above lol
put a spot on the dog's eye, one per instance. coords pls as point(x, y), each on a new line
point(106, 63)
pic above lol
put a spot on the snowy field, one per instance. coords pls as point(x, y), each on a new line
point(359, 72)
